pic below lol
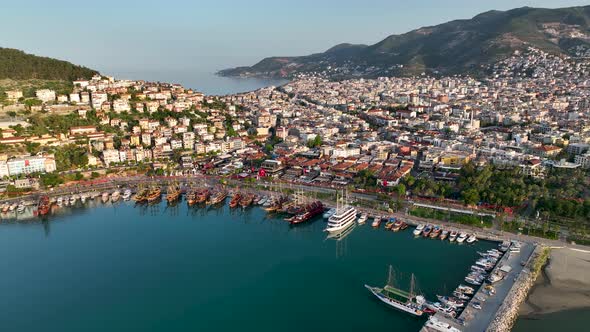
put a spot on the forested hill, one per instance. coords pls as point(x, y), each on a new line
point(18, 65)
point(460, 46)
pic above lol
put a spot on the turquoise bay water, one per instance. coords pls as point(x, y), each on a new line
point(160, 268)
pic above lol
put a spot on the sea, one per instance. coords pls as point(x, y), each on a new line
point(202, 80)
point(122, 267)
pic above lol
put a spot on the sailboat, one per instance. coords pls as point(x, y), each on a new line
point(398, 298)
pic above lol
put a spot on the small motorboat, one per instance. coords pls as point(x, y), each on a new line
point(419, 229)
point(453, 236)
point(362, 219)
point(462, 237)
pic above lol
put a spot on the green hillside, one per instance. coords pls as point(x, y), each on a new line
point(18, 65)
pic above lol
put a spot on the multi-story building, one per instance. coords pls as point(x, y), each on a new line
point(28, 165)
point(45, 95)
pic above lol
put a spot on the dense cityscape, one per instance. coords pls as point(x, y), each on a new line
point(474, 133)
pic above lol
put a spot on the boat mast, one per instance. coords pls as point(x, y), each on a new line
point(412, 284)
point(391, 277)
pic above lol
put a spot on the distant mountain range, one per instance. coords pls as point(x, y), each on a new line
point(460, 46)
point(18, 65)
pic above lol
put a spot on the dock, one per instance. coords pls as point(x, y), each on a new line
point(494, 306)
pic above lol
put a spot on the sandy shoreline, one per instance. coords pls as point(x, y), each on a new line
point(564, 284)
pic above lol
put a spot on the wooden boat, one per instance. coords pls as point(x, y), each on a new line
point(154, 195)
point(218, 196)
point(173, 193)
point(43, 206)
point(141, 196)
point(235, 200)
point(246, 200)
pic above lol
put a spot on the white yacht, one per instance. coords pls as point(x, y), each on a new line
point(418, 229)
point(362, 219)
point(343, 218)
point(472, 238)
point(21, 207)
point(127, 195)
point(329, 213)
point(462, 237)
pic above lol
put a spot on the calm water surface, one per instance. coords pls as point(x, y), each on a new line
point(201, 80)
point(161, 268)
point(570, 320)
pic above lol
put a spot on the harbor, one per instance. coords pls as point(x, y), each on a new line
point(463, 311)
point(203, 250)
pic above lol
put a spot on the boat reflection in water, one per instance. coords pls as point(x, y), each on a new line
point(342, 234)
point(340, 238)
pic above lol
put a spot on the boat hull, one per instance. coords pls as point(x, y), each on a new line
point(395, 304)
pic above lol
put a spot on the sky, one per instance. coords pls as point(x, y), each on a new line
point(129, 35)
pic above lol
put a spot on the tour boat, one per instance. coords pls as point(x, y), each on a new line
point(247, 200)
point(43, 206)
point(217, 197)
point(105, 197)
point(172, 193)
point(235, 200)
point(444, 234)
point(453, 236)
point(154, 195)
point(419, 229)
point(462, 237)
point(398, 298)
point(343, 218)
point(471, 238)
point(141, 196)
point(310, 211)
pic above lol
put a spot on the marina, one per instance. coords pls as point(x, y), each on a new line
point(359, 255)
point(464, 308)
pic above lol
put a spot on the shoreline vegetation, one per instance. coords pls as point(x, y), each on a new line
point(563, 283)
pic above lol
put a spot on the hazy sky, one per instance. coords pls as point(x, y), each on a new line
point(134, 35)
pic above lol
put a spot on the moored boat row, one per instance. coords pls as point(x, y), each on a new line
point(433, 232)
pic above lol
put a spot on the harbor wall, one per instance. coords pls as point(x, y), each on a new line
point(508, 312)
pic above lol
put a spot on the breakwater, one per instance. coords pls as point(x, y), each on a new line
point(508, 311)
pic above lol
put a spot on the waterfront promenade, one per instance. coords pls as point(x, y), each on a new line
point(133, 182)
